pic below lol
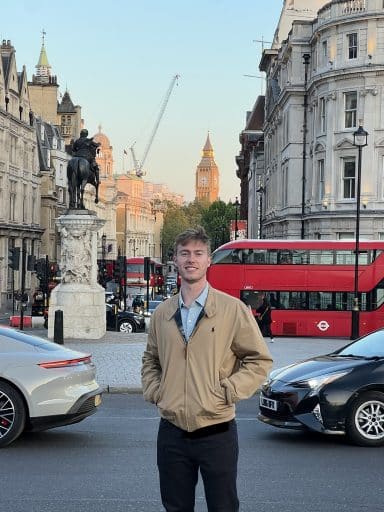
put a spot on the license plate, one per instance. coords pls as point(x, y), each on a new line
point(97, 400)
point(268, 403)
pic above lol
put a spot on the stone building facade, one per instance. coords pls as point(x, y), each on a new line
point(53, 161)
point(108, 197)
point(324, 81)
point(19, 174)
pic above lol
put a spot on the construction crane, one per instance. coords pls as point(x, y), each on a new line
point(138, 166)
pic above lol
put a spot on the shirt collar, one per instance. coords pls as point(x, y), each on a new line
point(201, 299)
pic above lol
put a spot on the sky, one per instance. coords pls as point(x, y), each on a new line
point(117, 60)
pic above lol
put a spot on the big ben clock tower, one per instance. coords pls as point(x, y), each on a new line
point(207, 175)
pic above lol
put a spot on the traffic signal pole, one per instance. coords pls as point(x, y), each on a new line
point(23, 270)
point(13, 263)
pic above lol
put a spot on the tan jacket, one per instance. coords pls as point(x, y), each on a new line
point(196, 384)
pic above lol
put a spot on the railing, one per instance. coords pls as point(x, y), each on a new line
point(354, 6)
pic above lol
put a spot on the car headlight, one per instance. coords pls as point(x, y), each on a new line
point(137, 318)
point(316, 383)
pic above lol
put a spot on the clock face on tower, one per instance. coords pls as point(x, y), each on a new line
point(203, 181)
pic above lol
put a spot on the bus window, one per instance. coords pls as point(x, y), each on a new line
point(251, 298)
point(271, 257)
point(298, 300)
point(377, 295)
point(258, 257)
point(321, 257)
point(247, 255)
point(345, 257)
point(300, 257)
point(223, 256)
point(293, 300)
point(343, 301)
point(374, 253)
point(320, 300)
point(363, 258)
point(285, 257)
point(236, 256)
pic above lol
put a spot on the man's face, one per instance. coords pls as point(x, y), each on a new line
point(192, 261)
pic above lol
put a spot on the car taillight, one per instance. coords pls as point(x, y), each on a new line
point(66, 362)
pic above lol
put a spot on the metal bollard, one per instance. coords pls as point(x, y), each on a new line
point(58, 328)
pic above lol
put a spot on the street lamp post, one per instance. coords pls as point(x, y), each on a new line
point(260, 190)
point(237, 204)
point(360, 137)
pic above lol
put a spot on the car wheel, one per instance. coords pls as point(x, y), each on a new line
point(126, 326)
point(12, 414)
point(365, 420)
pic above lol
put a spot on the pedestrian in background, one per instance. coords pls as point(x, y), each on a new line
point(204, 353)
point(264, 318)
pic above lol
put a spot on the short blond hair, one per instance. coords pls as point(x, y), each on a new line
point(197, 234)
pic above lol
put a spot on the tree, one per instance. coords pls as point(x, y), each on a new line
point(175, 221)
point(216, 220)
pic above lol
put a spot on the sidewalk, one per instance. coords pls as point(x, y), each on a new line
point(117, 356)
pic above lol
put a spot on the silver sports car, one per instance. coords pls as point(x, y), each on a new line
point(42, 385)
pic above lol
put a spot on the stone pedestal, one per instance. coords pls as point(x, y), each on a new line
point(78, 295)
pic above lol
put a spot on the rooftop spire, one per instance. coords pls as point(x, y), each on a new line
point(208, 149)
point(43, 69)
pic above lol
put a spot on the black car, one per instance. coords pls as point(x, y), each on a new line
point(127, 321)
point(338, 393)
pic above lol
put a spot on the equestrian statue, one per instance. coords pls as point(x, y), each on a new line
point(82, 169)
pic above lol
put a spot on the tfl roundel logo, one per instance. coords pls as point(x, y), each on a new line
point(323, 325)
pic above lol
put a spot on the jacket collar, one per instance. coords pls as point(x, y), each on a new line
point(209, 308)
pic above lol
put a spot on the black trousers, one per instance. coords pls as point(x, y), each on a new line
point(180, 455)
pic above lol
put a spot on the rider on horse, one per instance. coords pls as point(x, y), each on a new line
point(85, 147)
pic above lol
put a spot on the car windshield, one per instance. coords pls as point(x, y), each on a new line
point(371, 345)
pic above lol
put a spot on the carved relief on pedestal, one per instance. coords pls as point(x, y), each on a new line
point(76, 262)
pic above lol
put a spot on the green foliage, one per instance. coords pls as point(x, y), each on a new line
point(215, 218)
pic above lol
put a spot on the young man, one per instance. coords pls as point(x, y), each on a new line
point(204, 353)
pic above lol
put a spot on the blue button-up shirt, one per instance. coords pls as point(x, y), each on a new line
point(189, 315)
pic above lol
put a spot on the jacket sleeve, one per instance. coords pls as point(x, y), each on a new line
point(254, 357)
point(151, 368)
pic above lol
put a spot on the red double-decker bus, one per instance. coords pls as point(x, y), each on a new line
point(309, 283)
point(135, 282)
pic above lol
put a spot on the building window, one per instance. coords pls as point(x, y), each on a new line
point(12, 200)
point(324, 53)
point(350, 109)
point(25, 199)
point(34, 200)
point(323, 116)
point(349, 178)
point(25, 156)
point(344, 235)
point(66, 130)
point(285, 186)
point(352, 45)
point(1, 195)
point(12, 149)
point(321, 180)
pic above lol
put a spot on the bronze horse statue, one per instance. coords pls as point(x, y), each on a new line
point(79, 174)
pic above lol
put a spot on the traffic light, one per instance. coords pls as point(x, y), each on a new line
point(31, 262)
point(14, 258)
point(147, 268)
point(119, 268)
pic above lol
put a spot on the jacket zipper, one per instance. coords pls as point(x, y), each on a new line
point(186, 382)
